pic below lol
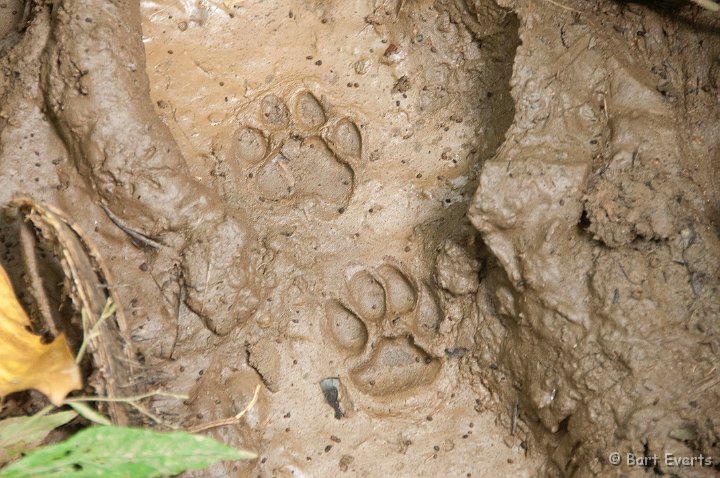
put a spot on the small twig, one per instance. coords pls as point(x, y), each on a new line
point(133, 402)
point(151, 415)
point(178, 303)
point(127, 399)
point(513, 423)
point(560, 5)
point(605, 108)
point(207, 283)
point(107, 312)
point(227, 421)
point(137, 236)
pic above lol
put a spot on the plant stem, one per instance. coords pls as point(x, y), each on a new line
point(107, 312)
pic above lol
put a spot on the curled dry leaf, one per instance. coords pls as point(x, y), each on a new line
point(27, 363)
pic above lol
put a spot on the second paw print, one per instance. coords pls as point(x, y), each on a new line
point(383, 325)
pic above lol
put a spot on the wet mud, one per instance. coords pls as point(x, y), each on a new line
point(445, 238)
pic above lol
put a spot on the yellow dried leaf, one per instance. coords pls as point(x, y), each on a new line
point(25, 362)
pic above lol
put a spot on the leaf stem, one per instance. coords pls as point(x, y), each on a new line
point(107, 312)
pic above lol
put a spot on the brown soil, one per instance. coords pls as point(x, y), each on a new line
point(490, 231)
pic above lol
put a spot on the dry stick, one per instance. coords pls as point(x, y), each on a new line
point(132, 402)
point(151, 415)
point(137, 236)
point(227, 421)
point(207, 283)
point(564, 7)
point(107, 312)
point(136, 398)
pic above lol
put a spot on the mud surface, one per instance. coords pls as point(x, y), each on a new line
point(489, 231)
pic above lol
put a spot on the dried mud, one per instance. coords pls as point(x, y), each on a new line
point(490, 230)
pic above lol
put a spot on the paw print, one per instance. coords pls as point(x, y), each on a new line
point(385, 329)
point(292, 149)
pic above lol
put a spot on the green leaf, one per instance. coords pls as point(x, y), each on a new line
point(20, 434)
point(118, 452)
point(88, 413)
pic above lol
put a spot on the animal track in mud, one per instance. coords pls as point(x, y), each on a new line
point(293, 149)
point(382, 327)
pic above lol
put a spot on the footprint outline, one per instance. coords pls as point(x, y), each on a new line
point(295, 147)
point(394, 343)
